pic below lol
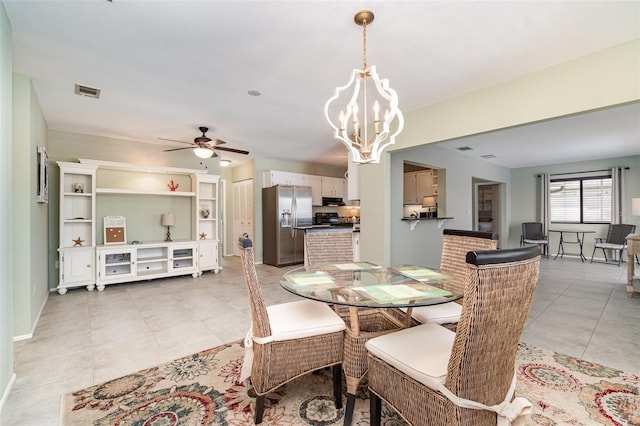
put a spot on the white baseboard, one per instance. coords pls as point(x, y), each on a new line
point(35, 323)
point(7, 391)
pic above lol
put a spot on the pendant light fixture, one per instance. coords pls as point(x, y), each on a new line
point(368, 96)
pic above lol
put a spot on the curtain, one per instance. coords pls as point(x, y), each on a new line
point(617, 198)
point(543, 203)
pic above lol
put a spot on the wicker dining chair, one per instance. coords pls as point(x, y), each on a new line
point(455, 245)
point(288, 340)
point(412, 370)
point(323, 246)
point(615, 241)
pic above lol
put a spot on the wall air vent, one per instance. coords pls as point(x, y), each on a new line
point(87, 91)
point(488, 156)
point(464, 148)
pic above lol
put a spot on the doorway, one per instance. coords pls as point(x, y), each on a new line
point(488, 208)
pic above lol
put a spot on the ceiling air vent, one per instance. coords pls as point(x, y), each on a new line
point(464, 148)
point(87, 91)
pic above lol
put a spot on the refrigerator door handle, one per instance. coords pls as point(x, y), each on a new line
point(294, 216)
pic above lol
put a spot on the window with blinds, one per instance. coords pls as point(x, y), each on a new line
point(581, 200)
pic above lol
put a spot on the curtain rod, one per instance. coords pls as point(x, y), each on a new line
point(590, 171)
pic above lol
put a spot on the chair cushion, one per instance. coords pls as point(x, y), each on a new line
point(535, 241)
point(304, 318)
point(421, 352)
point(443, 313)
point(610, 246)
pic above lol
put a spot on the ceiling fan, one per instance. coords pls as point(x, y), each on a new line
point(203, 148)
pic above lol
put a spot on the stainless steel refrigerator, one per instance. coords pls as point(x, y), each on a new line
point(286, 212)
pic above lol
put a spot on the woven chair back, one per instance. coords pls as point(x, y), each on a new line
point(259, 316)
point(328, 247)
point(455, 246)
point(618, 233)
point(496, 302)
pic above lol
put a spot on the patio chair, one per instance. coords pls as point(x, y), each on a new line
point(532, 233)
point(615, 241)
point(433, 376)
point(455, 245)
point(287, 340)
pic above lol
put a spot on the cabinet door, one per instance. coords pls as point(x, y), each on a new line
point(316, 189)
point(183, 258)
point(424, 185)
point(242, 211)
point(208, 256)
point(77, 267)
point(116, 265)
point(356, 247)
point(410, 188)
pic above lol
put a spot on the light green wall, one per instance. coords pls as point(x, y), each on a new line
point(525, 206)
point(30, 232)
point(66, 146)
point(7, 375)
point(603, 79)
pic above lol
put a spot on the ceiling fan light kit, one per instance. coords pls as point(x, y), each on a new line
point(203, 149)
point(368, 93)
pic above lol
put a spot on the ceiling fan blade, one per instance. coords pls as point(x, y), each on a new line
point(237, 151)
point(178, 149)
point(218, 142)
point(174, 140)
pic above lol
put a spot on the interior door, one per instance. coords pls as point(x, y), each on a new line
point(242, 211)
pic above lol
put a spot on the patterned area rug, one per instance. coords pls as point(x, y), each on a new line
point(202, 389)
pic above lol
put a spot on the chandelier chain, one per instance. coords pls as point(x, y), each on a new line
point(364, 44)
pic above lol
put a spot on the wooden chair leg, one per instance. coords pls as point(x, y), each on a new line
point(337, 385)
point(375, 409)
point(257, 417)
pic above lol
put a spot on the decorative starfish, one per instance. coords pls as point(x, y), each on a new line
point(203, 236)
point(78, 242)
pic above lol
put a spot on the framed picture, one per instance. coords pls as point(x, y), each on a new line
point(115, 231)
point(42, 196)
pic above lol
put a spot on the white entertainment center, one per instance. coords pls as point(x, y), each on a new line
point(91, 190)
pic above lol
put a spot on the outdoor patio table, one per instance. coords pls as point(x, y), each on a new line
point(579, 240)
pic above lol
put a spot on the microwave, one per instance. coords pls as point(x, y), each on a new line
point(332, 201)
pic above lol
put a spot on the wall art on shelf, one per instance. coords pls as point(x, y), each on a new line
point(115, 230)
point(42, 196)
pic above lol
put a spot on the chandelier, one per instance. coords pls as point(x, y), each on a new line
point(367, 92)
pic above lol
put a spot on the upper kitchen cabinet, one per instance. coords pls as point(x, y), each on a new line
point(419, 184)
point(332, 187)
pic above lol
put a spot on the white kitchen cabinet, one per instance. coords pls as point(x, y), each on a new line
point(332, 187)
point(315, 182)
point(356, 246)
point(417, 185)
point(275, 177)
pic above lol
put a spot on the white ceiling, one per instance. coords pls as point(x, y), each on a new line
point(167, 67)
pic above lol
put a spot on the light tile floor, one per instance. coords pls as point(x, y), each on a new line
point(84, 338)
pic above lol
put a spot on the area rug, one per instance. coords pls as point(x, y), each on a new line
point(203, 389)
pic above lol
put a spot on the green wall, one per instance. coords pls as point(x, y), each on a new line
point(30, 231)
point(7, 375)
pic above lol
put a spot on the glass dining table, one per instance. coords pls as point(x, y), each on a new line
point(373, 300)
